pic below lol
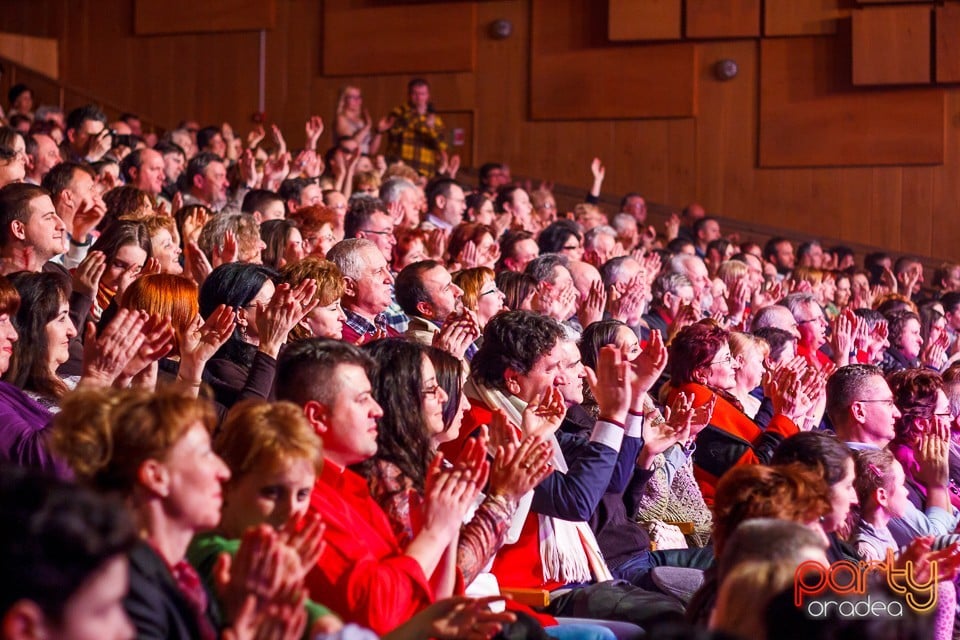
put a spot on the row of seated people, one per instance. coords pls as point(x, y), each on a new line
point(340, 415)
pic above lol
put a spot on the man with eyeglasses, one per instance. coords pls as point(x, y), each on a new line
point(862, 409)
point(812, 325)
point(367, 218)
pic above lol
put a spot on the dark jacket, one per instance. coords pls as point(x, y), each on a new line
point(154, 603)
point(620, 538)
point(238, 372)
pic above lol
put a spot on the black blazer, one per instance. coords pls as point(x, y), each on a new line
point(154, 603)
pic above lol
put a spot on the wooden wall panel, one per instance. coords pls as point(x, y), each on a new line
point(712, 155)
point(722, 18)
point(803, 17)
point(644, 19)
point(39, 54)
point(891, 45)
point(725, 132)
point(811, 118)
point(574, 76)
point(407, 38)
point(153, 17)
point(947, 26)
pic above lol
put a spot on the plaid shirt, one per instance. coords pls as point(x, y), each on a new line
point(410, 139)
point(359, 330)
point(395, 318)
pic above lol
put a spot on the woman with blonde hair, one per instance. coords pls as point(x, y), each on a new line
point(274, 456)
point(750, 353)
point(480, 293)
point(326, 320)
point(353, 122)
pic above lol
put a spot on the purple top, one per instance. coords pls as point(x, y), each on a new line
point(23, 432)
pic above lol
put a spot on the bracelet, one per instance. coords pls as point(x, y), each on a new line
point(80, 244)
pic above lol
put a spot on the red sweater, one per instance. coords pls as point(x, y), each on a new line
point(362, 574)
point(730, 439)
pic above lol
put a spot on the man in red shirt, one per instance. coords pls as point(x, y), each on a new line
point(363, 574)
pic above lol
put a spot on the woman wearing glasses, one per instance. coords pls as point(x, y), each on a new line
point(480, 293)
point(701, 364)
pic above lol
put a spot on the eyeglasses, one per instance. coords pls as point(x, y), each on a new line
point(490, 292)
point(726, 360)
point(887, 401)
point(820, 319)
point(379, 233)
point(433, 391)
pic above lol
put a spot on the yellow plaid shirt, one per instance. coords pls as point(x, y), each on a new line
point(412, 140)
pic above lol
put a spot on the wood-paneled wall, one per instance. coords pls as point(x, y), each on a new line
point(582, 78)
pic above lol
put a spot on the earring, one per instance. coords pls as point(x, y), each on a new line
point(243, 331)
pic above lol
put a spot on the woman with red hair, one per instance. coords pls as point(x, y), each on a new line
point(700, 364)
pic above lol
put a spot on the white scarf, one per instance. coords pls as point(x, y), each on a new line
point(569, 552)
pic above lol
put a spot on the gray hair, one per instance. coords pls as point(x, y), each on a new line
point(541, 268)
point(590, 238)
point(796, 302)
point(215, 230)
point(669, 283)
point(613, 272)
point(679, 263)
point(622, 221)
point(391, 190)
point(771, 316)
point(346, 255)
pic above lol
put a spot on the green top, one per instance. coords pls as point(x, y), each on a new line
point(204, 550)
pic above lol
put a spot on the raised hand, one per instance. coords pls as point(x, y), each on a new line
point(385, 124)
point(275, 170)
point(256, 136)
point(672, 226)
point(277, 136)
point(198, 343)
point(227, 251)
point(248, 169)
point(456, 336)
point(306, 540)
point(842, 337)
point(313, 130)
point(195, 263)
point(516, 470)
point(597, 169)
point(86, 278)
point(87, 216)
point(786, 394)
point(932, 453)
point(106, 356)
point(469, 256)
point(611, 384)
point(285, 310)
point(454, 167)
point(449, 493)
point(592, 306)
point(158, 336)
point(255, 571)
point(647, 368)
point(543, 416)
point(934, 354)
